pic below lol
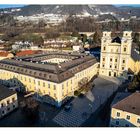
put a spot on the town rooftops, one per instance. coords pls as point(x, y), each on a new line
point(5, 92)
point(4, 54)
point(130, 104)
point(27, 52)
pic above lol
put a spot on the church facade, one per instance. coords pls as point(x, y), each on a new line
point(115, 54)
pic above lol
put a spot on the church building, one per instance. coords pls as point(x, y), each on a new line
point(115, 54)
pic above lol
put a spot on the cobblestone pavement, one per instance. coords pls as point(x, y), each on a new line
point(83, 107)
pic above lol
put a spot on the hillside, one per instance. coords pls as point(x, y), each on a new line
point(29, 10)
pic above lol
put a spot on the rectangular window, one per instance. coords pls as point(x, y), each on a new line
point(2, 104)
point(128, 117)
point(124, 49)
point(115, 66)
point(13, 99)
point(115, 60)
point(110, 66)
point(39, 83)
point(8, 102)
point(117, 122)
point(103, 59)
point(118, 114)
point(8, 109)
point(138, 120)
point(48, 85)
point(127, 125)
point(123, 61)
point(62, 86)
point(43, 84)
point(122, 68)
point(103, 65)
point(104, 48)
point(111, 59)
point(54, 87)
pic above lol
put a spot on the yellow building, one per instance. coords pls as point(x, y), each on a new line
point(126, 113)
point(115, 54)
point(53, 76)
point(134, 61)
point(8, 101)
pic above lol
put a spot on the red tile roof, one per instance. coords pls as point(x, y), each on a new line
point(27, 52)
point(4, 54)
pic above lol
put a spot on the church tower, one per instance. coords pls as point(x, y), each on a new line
point(115, 54)
point(125, 52)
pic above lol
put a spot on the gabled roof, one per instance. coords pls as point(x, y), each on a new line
point(129, 104)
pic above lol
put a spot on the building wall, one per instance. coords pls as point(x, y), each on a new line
point(134, 65)
point(57, 91)
point(122, 119)
point(114, 56)
point(8, 104)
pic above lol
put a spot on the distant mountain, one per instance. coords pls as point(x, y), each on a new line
point(55, 9)
point(117, 12)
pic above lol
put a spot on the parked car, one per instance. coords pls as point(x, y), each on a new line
point(68, 107)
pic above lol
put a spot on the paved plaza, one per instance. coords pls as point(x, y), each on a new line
point(83, 107)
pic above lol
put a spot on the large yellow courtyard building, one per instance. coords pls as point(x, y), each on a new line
point(54, 76)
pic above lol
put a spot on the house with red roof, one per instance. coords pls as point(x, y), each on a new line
point(28, 52)
point(5, 54)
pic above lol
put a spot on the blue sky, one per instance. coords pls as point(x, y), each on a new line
point(10, 5)
point(21, 5)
